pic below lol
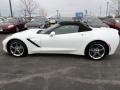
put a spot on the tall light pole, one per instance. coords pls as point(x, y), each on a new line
point(0, 14)
point(86, 12)
point(11, 8)
point(25, 13)
point(118, 7)
point(57, 11)
point(100, 11)
point(107, 9)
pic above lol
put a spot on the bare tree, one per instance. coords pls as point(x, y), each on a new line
point(28, 7)
point(115, 7)
point(42, 12)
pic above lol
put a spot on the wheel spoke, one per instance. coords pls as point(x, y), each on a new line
point(14, 52)
point(12, 47)
point(98, 53)
point(17, 45)
point(101, 50)
point(18, 51)
point(94, 54)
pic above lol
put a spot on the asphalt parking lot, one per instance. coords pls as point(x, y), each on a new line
point(58, 72)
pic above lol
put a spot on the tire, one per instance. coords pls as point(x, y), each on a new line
point(96, 50)
point(17, 48)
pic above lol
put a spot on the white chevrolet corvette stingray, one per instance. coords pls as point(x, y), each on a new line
point(64, 38)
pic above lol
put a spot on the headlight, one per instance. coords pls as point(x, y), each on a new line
point(10, 26)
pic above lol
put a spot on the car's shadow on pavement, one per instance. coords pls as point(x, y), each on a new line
point(60, 57)
point(49, 56)
point(66, 57)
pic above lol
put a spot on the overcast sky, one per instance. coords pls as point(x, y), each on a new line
point(66, 7)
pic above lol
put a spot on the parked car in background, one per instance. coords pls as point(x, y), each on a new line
point(2, 19)
point(64, 38)
point(94, 22)
point(113, 23)
point(37, 22)
point(52, 21)
point(12, 25)
point(27, 19)
point(66, 19)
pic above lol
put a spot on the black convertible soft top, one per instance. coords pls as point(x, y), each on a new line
point(82, 26)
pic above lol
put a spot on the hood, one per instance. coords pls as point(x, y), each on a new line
point(4, 24)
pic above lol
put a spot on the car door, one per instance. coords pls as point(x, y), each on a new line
point(67, 38)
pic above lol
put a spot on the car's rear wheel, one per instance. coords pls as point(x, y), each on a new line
point(17, 48)
point(96, 50)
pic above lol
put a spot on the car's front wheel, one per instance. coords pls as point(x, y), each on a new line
point(17, 48)
point(96, 50)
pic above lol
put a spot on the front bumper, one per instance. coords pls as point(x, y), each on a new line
point(4, 43)
point(4, 48)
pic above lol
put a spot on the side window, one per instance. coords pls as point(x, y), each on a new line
point(112, 21)
point(66, 29)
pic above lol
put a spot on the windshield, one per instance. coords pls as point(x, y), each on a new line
point(49, 29)
point(1, 20)
point(10, 20)
point(117, 20)
point(39, 20)
point(94, 22)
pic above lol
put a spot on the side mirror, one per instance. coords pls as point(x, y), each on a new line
point(52, 34)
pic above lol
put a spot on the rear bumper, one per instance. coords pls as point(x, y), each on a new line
point(114, 45)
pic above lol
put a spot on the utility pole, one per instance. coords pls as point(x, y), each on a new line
point(86, 12)
point(57, 11)
point(100, 11)
point(107, 9)
point(118, 7)
point(0, 14)
point(11, 8)
point(58, 14)
point(25, 13)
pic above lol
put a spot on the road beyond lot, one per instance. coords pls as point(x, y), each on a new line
point(58, 72)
